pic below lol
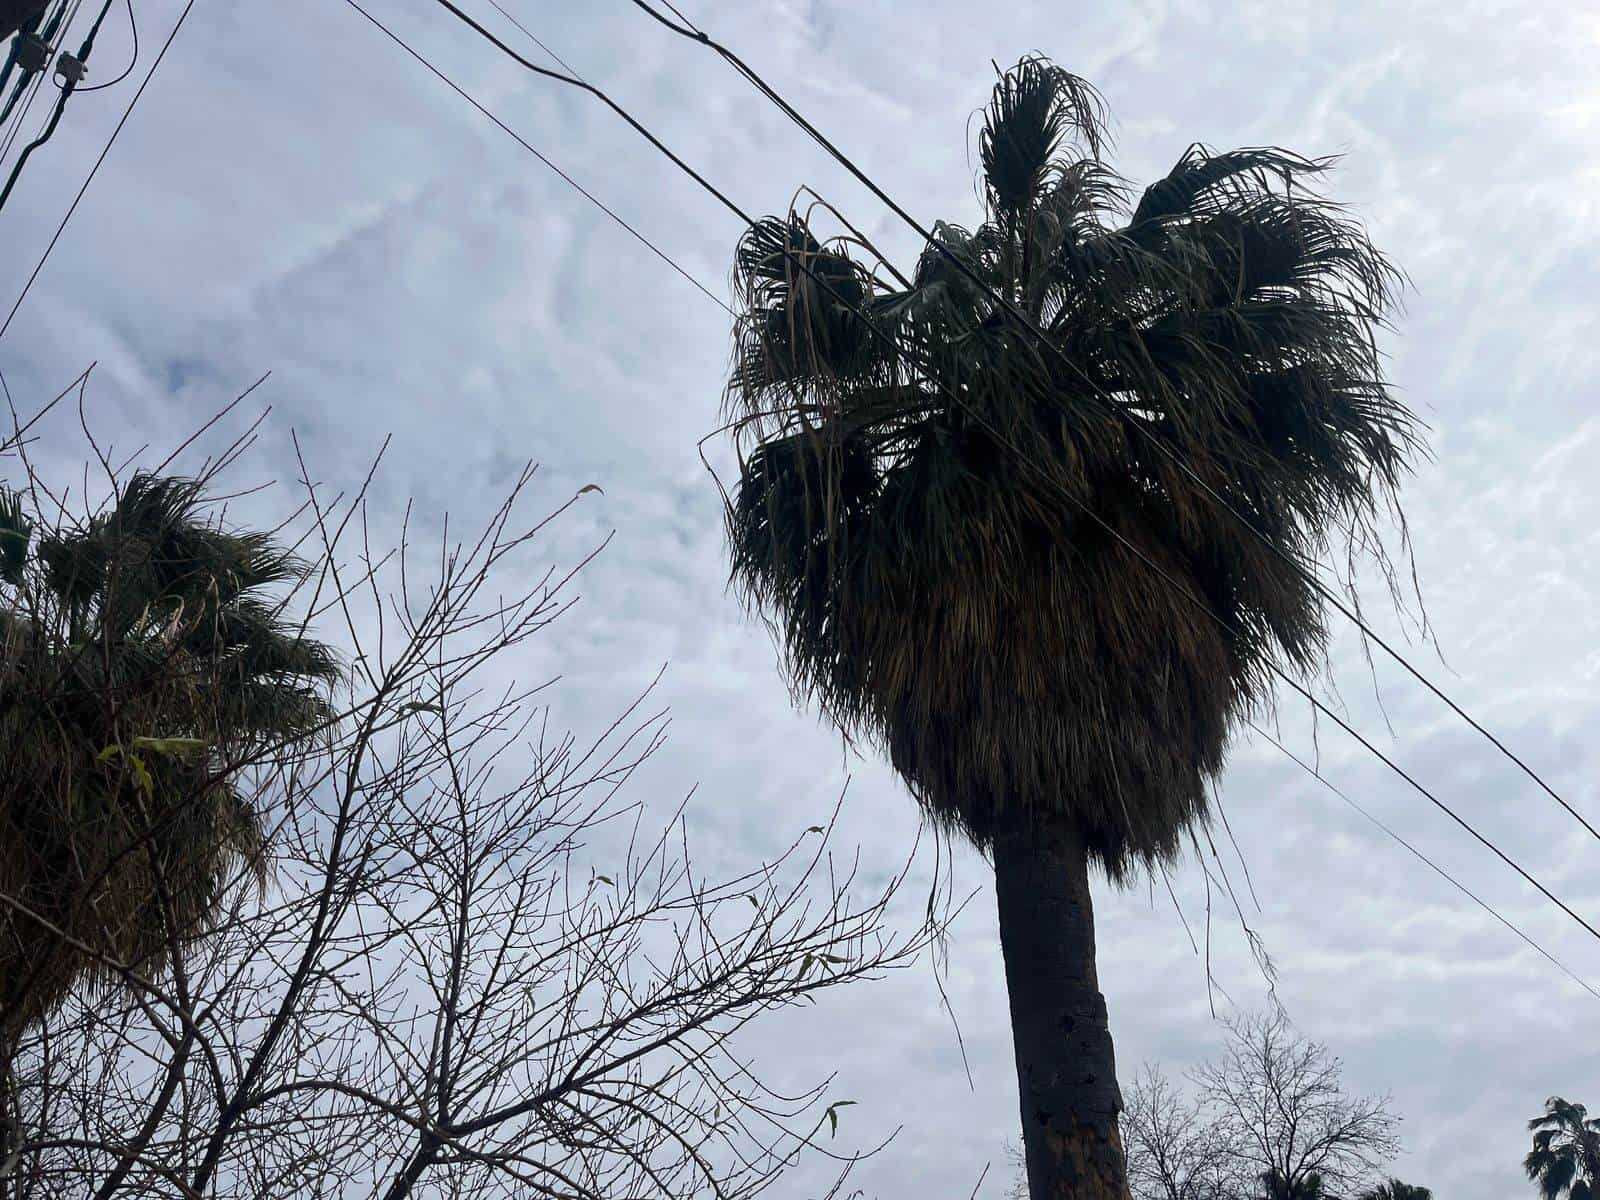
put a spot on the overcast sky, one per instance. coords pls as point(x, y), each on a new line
point(295, 194)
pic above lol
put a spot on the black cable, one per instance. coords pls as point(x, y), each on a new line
point(133, 25)
point(49, 131)
point(30, 27)
point(29, 81)
point(1160, 571)
point(1435, 867)
point(30, 85)
point(694, 33)
point(95, 170)
point(529, 147)
point(45, 134)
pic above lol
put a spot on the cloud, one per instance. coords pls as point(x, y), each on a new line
point(296, 194)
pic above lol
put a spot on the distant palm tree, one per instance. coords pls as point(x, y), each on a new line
point(911, 511)
point(1276, 1186)
point(1393, 1189)
point(143, 663)
point(1565, 1158)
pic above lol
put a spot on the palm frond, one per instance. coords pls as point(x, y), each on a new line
point(143, 662)
point(1204, 181)
point(1036, 106)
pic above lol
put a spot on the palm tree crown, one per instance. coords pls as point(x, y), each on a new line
point(1565, 1158)
point(1394, 1189)
point(918, 466)
point(1276, 1186)
point(143, 663)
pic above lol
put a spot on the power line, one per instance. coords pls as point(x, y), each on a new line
point(22, 28)
point(694, 33)
point(95, 170)
point(1161, 572)
point(19, 113)
point(42, 27)
point(531, 149)
point(85, 50)
point(1435, 867)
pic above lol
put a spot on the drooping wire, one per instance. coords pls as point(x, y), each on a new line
point(95, 170)
point(694, 33)
point(872, 327)
point(133, 28)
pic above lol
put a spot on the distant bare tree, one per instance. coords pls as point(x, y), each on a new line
point(1280, 1104)
point(476, 969)
point(1177, 1149)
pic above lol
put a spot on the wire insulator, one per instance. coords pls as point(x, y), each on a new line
point(32, 51)
point(70, 69)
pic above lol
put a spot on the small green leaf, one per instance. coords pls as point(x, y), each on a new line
point(833, 1115)
point(412, 706)
point(606, 879)
point(142, 778)
point(108, 754)
point(591, 487)
point(175, 747)
point(815, 829)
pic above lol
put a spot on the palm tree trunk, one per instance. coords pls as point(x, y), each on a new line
point(1066, 1069)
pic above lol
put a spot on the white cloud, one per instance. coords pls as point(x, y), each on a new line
point(296, 194)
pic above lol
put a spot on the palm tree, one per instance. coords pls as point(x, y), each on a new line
point(1566, 1151)
point(1275, 1185)
point(948, 517)
point(1393, 1189)
point(143, 665)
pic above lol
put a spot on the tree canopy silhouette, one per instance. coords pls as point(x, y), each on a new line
point(144, 663)
point(1565, 1159)
point(951, 477)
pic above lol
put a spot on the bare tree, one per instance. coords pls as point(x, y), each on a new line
point(477, 967)
point(1280, 1104)
point(1177, 1149)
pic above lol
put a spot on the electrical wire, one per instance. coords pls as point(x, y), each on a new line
point(45, 27)
point(1435, 867)
point(19, 113)
point(531, 149)
point(693, 33)
point(53, 121)
point(634, 123)
point(95, 170)
point(28, 28)
point(133, 26)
